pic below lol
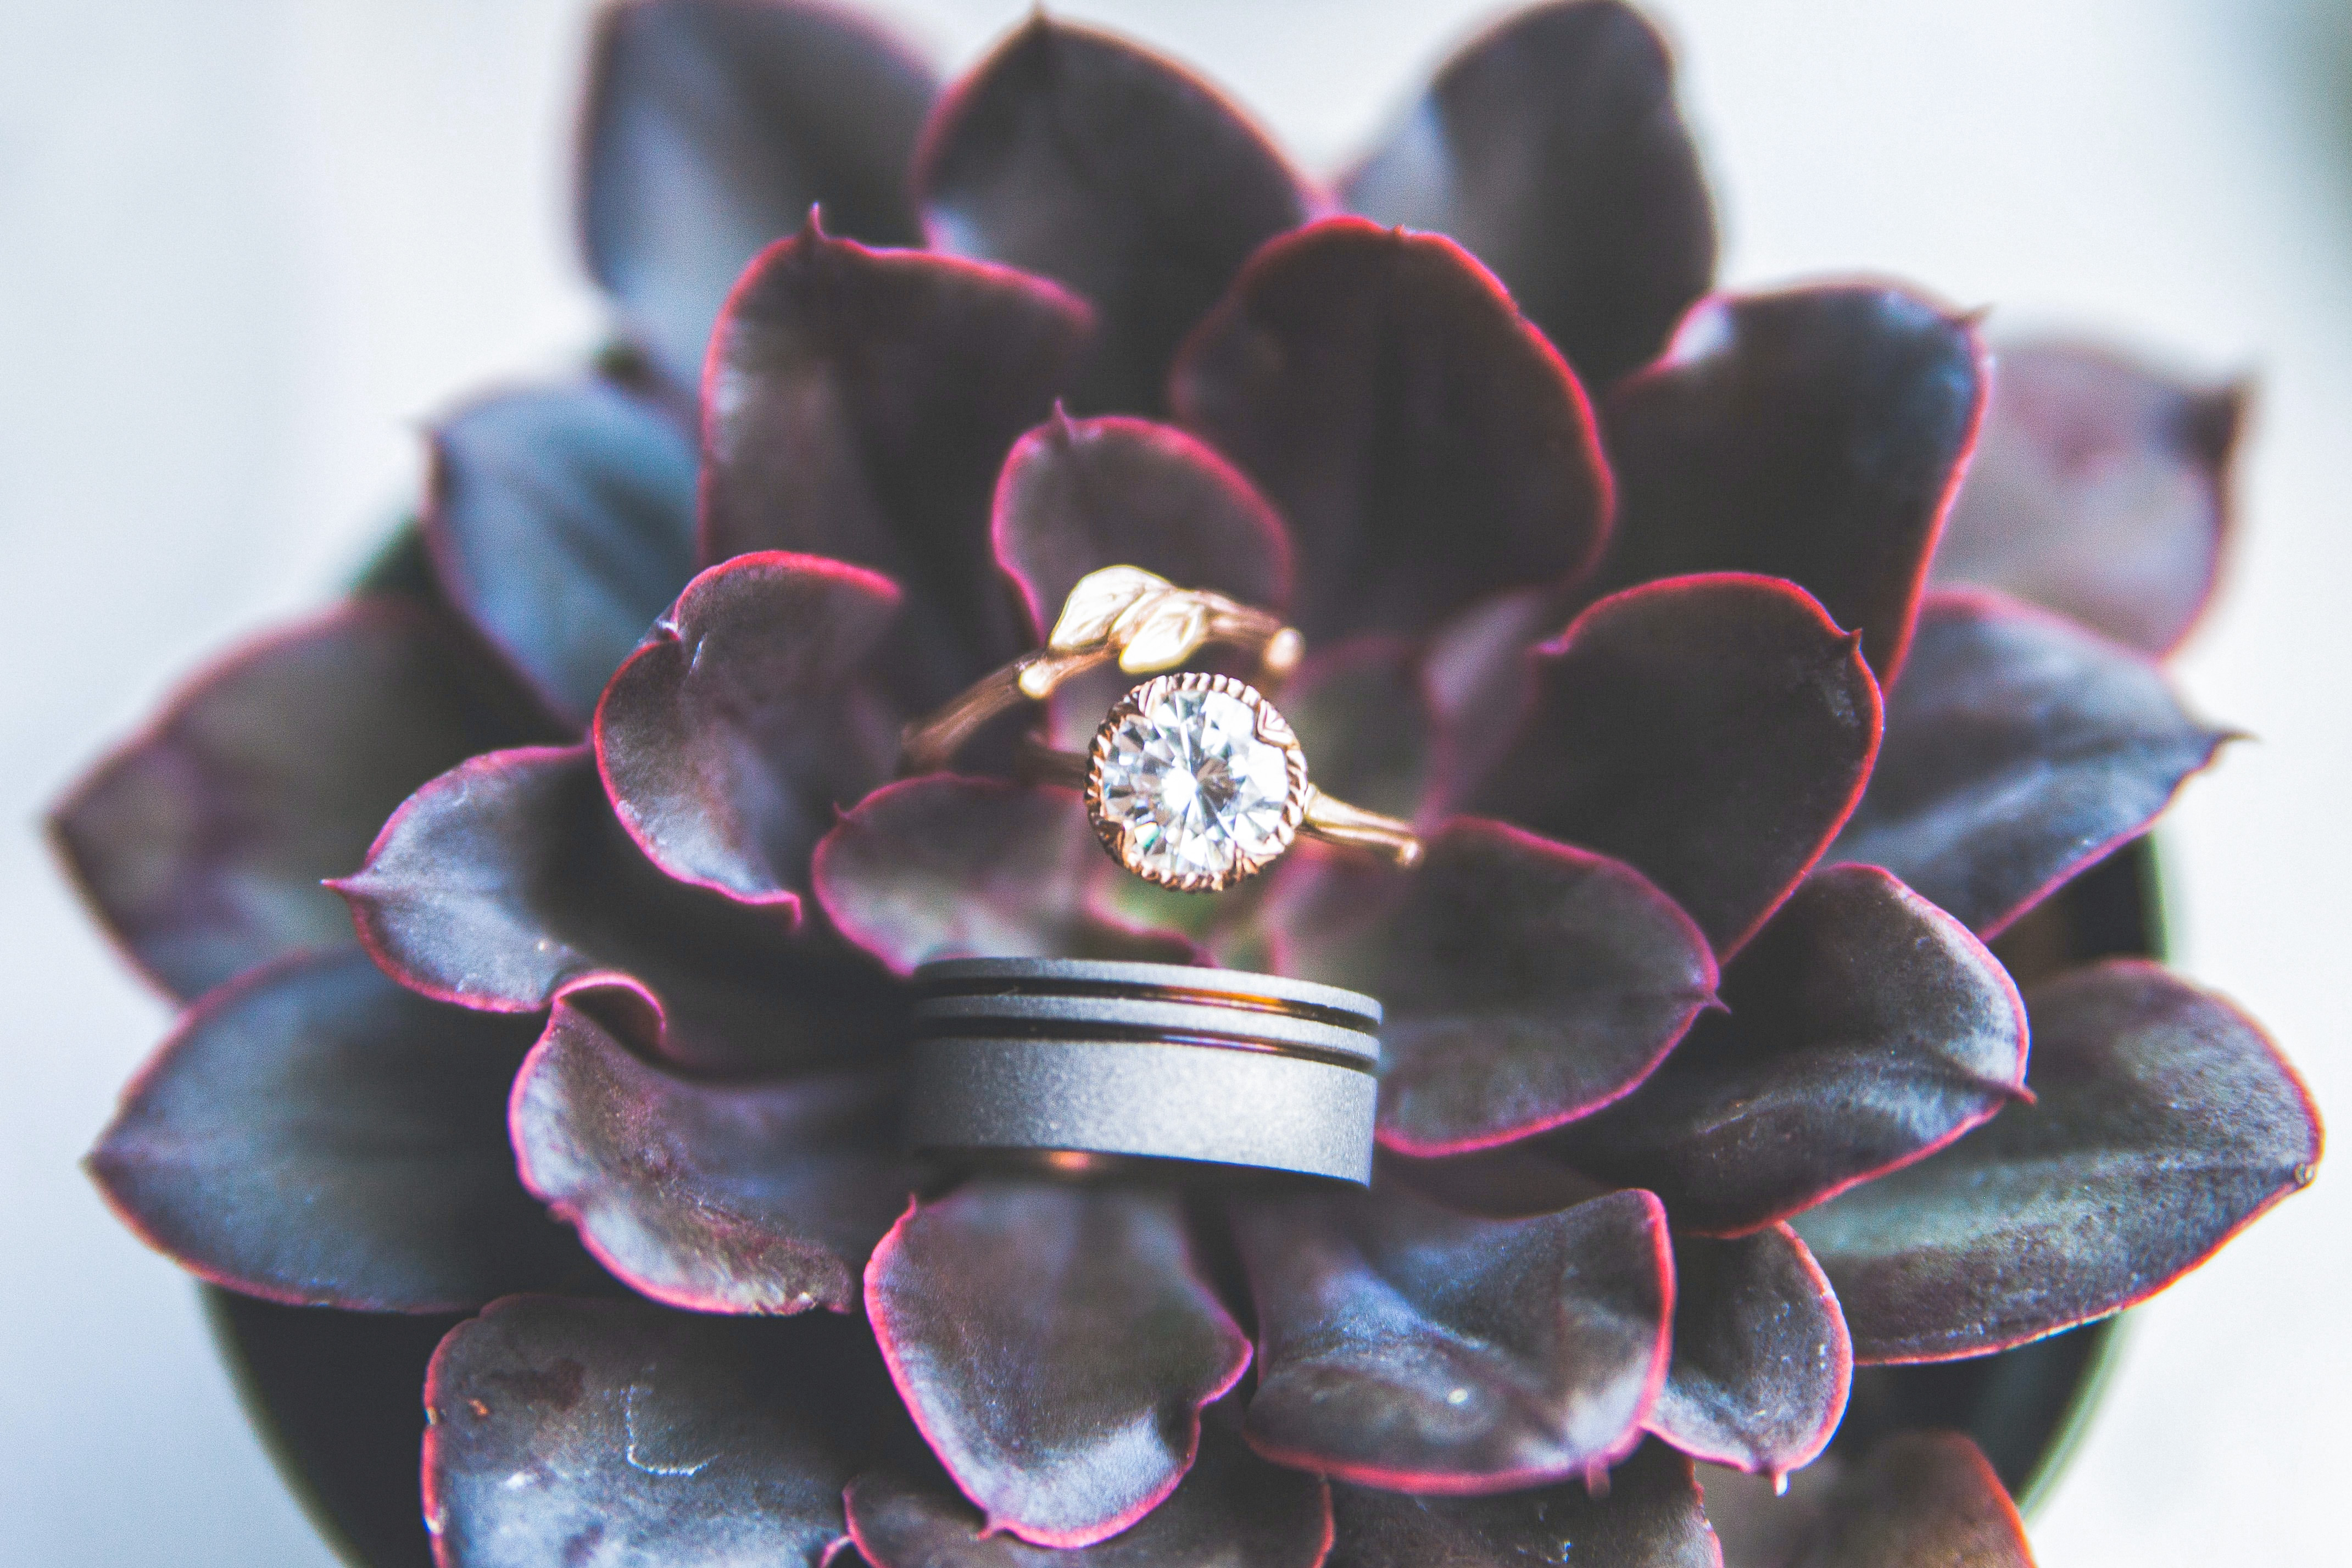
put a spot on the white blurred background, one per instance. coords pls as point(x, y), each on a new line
point(247, 246)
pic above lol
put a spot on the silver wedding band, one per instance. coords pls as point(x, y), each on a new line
point(1073, 1061)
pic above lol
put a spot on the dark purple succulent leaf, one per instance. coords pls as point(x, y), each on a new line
point(1762, 1360)
point(1713, 732)
point(561, 520)
point(507, 884)
point(1075, 154)
point(713, 126)
point(1078, 495)
point(1552, 147)
point(1647, 1516)
point(1407, 1346)
point(1364, 716)
point(313, 1135)
point(1055, 1344)
point(201, 842)
point(1509, 1181)
point(943, 867)
point(763, 1196)
point(616, 1431)
point(1479, 671)
point(1816, 435)
point(1427, 445)
point(2021, 749)
point(858, 405)
point(750, 716)
point(2101, 489)
point(1524, 983)
point(1866, 1030)
point(2164, 1123)
point(1231, 1508)
point(1920, 1497)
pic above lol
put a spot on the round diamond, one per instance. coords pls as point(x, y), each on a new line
point(1191, 787)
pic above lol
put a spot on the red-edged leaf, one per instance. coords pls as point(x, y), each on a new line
point(1552, 147)
point(1075, 154)
point(506, 883)
point(2166, 1122)
point(1816, 436)
point(603, 1431)
point(561, 520)
point(1921, 1498)
point(1078, 495)
point(941, 867)
point(1479, 671)
point(1762, 1359)
point(202, 841)
point(1233, 1508)
point(729, 1197)
point(1524, 983)
point(1866, 1030)
point(859, 403)
point(1409, 1347)
point(314, 1135)
point(750, 716)
point(1055, 1346)
point(713, 126)
point(1648, 1516)
point(2021, 749)
point(1426, 445)
point(1713, 732)
point(2102, 490)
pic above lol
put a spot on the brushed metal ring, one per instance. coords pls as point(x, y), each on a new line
point(1073, 1061)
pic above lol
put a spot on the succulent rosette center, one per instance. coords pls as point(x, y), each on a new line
point(1723, 649)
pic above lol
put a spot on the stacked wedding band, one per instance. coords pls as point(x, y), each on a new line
point(1069, 1058)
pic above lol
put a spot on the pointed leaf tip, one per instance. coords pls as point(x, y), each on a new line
point(1370, 382)
point(203, 841)
point(738, 1197)
point(1409, 1347)
point(561, 521)
point(2021, 749)
point(1551, 146)
point(1078, 155)
point(757, 708)
point(1816, 435)
point(858, 405)
point(948, 867)
point(1055, 1344)
point(1654, 700)
point(1762, 1361)
point(1525, 983)
point(712, 127)
point(316, 1135)
point(1864, 1030)
point(2166, 1122)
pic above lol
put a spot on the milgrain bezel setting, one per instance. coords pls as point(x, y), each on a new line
point(1269, 727)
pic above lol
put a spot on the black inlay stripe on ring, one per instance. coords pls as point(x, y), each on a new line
point(1339, 1017)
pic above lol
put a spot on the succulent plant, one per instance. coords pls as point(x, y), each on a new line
point(1749, 662)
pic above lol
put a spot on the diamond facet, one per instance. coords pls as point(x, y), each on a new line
point(1189, 789)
